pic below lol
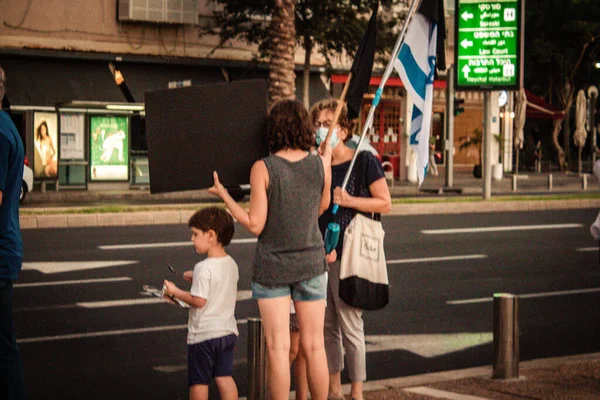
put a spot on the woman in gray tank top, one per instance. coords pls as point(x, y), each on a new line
point(288, 191)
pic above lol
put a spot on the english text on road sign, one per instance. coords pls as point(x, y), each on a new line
point(488, 50)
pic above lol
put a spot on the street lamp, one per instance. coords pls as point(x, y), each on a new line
point(597, 65)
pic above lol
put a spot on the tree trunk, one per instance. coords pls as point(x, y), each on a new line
point(306, 72)
point(281, 51)
point(559, 150)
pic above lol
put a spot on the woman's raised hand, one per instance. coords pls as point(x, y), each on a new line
point(217, 188)
point(325, 152)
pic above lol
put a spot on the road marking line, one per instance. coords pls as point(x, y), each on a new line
point(73, 282)
point(169, 369)
point(499, 229)
point(119, 303)
point(587, 249)
point(166, 244)
point(70, 266)
point(434, 259)
point(442, 394)
point(526, 296)
point(109, 333)
point(242, 295)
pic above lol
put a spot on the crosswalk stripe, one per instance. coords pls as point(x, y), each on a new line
point(526, 296)
point(109, 333)
point(165, 244)
point(442, 394)
point(435, 259)
point(72, 282)
point(499, 229)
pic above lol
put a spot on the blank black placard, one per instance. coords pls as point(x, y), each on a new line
point(193, 131)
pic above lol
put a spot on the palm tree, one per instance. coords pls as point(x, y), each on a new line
point(281, 52)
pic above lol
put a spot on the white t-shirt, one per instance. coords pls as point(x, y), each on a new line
point(215, 279)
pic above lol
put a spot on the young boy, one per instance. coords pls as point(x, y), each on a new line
point(212, 328)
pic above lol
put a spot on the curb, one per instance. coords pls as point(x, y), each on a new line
point(453, 375)
point(444, 376)
point(163, 217)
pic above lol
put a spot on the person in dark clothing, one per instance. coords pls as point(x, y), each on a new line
point(11, 250)
point(344, 329)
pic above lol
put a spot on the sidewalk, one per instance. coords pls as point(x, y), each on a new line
point(464, 183)
point(58, 209)
point(570, 377)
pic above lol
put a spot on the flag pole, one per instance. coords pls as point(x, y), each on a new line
point(386, 75)
point(338, 109)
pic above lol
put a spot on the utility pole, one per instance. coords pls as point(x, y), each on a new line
point(592, 98)
point(487, 145)
point(449, 137)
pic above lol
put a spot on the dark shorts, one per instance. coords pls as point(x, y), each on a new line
point(209, 359)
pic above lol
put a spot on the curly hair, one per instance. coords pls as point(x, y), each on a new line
point(214, 218)
point(331, 105)
point(289, 127)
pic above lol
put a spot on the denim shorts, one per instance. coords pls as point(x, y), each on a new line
point(307, 290)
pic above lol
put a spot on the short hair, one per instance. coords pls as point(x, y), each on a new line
point(2, 83)
point(331, 105)
point(217, 219)
point(289, 127)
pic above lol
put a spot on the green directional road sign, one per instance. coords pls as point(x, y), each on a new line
point(488, 44)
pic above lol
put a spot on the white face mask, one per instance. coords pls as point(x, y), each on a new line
point(322, 134)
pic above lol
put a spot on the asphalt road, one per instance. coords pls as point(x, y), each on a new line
point(86, 331)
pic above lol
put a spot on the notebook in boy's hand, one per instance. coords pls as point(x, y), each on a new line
point(152, 291)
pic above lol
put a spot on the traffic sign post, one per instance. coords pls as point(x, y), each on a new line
point(488, 44)
point(488, 55)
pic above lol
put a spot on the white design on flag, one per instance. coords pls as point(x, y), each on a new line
point(416, 66)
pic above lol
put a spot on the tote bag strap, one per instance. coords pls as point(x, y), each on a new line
point(360, 181)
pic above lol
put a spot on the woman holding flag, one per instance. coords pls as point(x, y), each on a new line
point(343, 324)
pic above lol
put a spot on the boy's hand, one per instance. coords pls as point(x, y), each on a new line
point(331, 257)
point(188, 276)
point(217, 188)
point(170, 288)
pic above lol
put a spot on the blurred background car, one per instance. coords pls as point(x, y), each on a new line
point(27, 185)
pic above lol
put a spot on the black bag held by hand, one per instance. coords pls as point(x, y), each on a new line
point(363, 271)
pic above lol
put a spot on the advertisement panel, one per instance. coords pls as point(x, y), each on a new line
point(109, 148)
point(72, 143)
point(45, 143)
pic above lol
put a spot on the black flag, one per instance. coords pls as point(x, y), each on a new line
point(362, 66)
point(433, 10)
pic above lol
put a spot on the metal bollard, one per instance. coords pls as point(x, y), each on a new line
point(506, 336)
point(257, 360)
point(550, 182)
point(584, 182)
point(514, 183)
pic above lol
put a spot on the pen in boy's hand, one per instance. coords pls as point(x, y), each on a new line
point(171, 268)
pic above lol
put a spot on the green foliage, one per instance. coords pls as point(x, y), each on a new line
point(556, 32)
point(334, 25)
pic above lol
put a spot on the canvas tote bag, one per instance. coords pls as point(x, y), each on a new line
point(363, 271)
